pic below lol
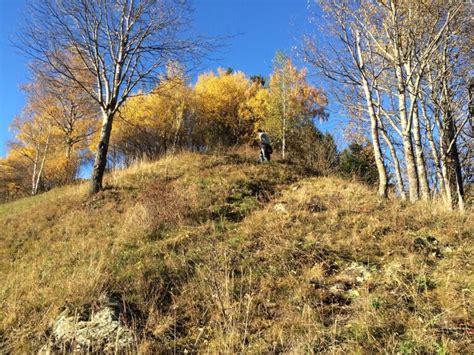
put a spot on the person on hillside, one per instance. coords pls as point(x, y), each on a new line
point(266, 149)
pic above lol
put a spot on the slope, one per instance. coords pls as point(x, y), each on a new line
point(218, 253)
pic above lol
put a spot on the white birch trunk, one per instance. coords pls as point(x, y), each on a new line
point(43, 160)
point(420, 159)
point(379, 161)
point(413, 185)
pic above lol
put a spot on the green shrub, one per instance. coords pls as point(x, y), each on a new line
point(357, 161)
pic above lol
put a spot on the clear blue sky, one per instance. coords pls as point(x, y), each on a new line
point(259, 27)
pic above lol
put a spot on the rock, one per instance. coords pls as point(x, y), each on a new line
point(349, 278)
point(342, 285)
point(357, 273)
point(448, 250)
point(280, 207)
point(419, 244)
point(99, 331)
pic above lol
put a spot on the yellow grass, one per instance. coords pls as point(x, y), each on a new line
point(220, 254)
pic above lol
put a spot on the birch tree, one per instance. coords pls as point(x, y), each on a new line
point(123, 44)
point(446, 116)
point(384, 50)
point(71, 113)
point(346, 64)
point(33, 141)
point(292, 101)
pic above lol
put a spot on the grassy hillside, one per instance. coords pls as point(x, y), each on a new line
point(222, 254)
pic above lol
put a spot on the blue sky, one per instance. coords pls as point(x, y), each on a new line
point(258, 28)
point(13, 70)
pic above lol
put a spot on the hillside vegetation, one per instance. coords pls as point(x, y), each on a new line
point(221, 254)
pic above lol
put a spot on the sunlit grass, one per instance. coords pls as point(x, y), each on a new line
point(222, 254)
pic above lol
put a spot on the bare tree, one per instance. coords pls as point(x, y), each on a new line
point(450, 161)
point(383, 50)
point(347, 64)
point(123, 44)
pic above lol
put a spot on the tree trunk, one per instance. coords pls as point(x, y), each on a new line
point(374, 123)
point(452, 163)
point(101, 153)
point(35, 168)
point(379, 162)
point(434, 151)
point(43, 160)
point(70, 169)
point(413, 187)
point(405, 120)
point(420, 159)
point(179, 123)
point(396, 164)
point(283, 133)
point(448, 197)
point(283, 140)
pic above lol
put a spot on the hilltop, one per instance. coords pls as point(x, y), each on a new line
point(221, 254)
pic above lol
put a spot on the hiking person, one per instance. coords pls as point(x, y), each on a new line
point(266, 149)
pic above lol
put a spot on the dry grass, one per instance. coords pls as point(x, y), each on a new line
point(220, 254)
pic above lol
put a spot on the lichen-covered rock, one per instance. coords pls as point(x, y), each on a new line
point(99, 331)
point(356, 273)
point(342, 286)
point(280, 207)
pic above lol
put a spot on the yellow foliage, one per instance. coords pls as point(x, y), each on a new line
point(51, 135)
point(292, 101)
point(220, 99)
point(150, 124)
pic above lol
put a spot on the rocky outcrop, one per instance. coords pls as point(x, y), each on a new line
point(98, 331)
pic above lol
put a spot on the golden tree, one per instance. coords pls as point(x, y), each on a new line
point(153, 124)
point(289, 102)
point(219, 100)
